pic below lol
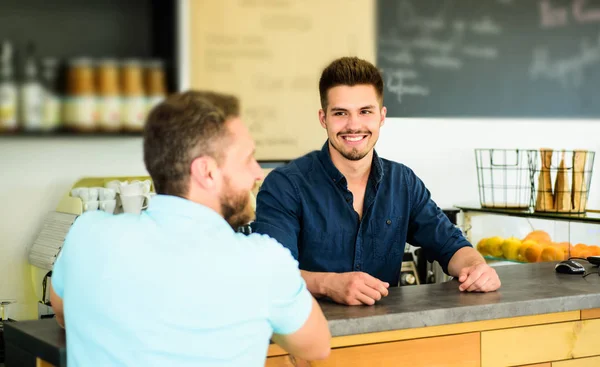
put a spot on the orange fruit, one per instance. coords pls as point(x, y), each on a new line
point(552, 253)
point(534, 252)
point(565, 247)
point(594, 250)
point(579, 250)
point(523, 250)
point(538, 236)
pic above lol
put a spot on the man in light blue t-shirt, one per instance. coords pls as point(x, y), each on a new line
point(176, 286)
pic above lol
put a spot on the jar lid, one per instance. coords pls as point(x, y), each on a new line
point(81, 61)
point(107, 61)
point(154, 64)
point(131, 63)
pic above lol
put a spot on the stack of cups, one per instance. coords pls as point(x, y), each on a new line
point(94, 198)
point(135, 196)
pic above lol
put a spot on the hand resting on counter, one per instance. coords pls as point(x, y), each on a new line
point(352, 288)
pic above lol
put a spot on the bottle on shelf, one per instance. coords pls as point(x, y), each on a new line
point(134, 98)
point(52, 102)
point(8, 89)
point(109, 95)
point(32, 93)
point(80, 104)
point(154, 76)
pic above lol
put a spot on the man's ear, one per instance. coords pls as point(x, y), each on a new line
point(203, 171)
point(322, 116)
point(383, 113)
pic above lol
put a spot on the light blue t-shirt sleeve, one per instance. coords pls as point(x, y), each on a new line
point(290, 301)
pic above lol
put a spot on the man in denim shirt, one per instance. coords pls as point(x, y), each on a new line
point(346, 214)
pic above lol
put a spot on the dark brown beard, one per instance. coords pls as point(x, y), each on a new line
point(234, 206)
point(353, 155)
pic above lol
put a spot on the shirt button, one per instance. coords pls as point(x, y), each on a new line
point(388, 222)
point(348, 200)
point(357, 267)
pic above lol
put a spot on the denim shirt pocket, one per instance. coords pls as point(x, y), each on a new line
point(389, 238)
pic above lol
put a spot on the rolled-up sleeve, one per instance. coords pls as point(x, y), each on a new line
point(429, 227)
point(277, 211)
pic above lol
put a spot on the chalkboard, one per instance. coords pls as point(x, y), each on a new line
point(490, 58)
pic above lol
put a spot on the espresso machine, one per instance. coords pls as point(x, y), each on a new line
point(432, 272)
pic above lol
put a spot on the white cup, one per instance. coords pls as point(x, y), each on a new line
point(147, 184)
point(134, 188)
point(108, 205)
point(90, 205)
point(115, 185)
point(134, 203)
point(85, 193)
point(106, 194)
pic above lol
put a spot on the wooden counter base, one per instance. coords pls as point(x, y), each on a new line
point(565, 339)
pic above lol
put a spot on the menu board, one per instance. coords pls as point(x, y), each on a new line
point(270, 53)
point(490, 58)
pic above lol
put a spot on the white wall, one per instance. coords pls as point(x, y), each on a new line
point(36, 173)
point(441, 152)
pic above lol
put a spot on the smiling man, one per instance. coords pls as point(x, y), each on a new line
point(346, 214)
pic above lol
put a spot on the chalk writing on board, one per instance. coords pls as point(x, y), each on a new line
point(442, 62)
point(395, 82)
point(438, 41)
point(400, 57)
point(567, 71)
point(582, 13)
point(552, 16)
point(482, 52)
point(557, 16)
point(486, 26)
point(431, 44)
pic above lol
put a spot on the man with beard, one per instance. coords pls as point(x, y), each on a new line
point(346, 214)
point(175, 285)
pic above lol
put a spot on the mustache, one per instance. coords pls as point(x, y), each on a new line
point(354, 132)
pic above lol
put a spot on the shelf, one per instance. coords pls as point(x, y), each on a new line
point(69, 134)
point(591, 216)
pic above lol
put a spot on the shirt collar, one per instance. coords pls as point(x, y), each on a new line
point(175, 206)
point(337, 176)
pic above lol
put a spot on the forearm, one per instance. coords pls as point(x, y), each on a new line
point(315, 282)
point(57, 306)
point(464, 257)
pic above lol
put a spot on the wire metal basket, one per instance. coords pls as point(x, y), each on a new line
point(562, 181)
point(505, 177)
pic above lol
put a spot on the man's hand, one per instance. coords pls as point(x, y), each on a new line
point(355, 288)
point(478, 278)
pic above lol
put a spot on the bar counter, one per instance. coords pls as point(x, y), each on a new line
point(538, 316)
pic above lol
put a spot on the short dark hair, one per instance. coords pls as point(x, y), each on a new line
point(349, 71)
point(228, 104)
point(177, 131)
